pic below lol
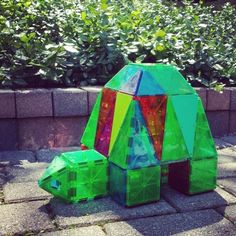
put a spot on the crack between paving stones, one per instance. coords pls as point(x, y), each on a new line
point(1, 196)
point(223, 213)
point(226, 177)
point(102, 223)
point(229, 191)
point(172, 205)
point(127, 220)
point(26, 200)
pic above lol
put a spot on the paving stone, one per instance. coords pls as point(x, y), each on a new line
point(202, 92)
point(36, 133)
point(227, 155)
point(103, 210)
point(215, 118)
point(26, 191)
point(7, 104)
point(8, 137)
point(205, 222)
point(183, 203)
point(24, 217)
point(34, 103)
point(47, 155)
point(227, 170)
point(15, 157)
point(84, 231)
point(70, 102)
point(68, 131)
point(229, 212)
point(218, 101)
point(93, 92)
point(230, 139)
point(232, 122)
point(220, 144)
point(27, 172)
point(228, 184)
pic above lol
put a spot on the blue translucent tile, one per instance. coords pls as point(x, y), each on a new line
point(148, 86)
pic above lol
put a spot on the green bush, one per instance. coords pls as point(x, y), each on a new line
point(70, 42)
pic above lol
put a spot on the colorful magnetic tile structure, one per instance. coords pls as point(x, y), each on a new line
point(148, 127)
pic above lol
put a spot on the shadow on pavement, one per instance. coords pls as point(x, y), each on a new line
point(151, 219)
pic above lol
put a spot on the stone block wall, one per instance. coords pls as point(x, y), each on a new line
point(46, 118)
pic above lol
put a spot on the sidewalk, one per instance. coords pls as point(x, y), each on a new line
point(25, 209)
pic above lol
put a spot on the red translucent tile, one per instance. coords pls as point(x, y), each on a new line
point(105, 120)
point(154, 112)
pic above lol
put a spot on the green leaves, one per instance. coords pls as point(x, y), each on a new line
point(83, 15)
point(160, 33)
point(63, 43)
point(25, 38)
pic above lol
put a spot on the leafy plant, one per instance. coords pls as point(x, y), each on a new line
point(56, 43)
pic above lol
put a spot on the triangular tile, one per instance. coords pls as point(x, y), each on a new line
point(148, 86)
point(141, 151)
point(122, 77)
point(119, 152)
point(204, 146)
point(131, 86)
point(174, 147)
point(89, 135)
point(154, 112)
point(104, 127)
point(122, 104)
point(185, 107)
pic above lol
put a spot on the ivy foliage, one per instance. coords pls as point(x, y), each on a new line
point(66, 43)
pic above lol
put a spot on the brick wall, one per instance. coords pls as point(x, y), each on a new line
point(41, 118)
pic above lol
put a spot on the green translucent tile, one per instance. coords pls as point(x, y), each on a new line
point(122, 77)
point(143, 185)
point(174, 147)
point(135, 187)
point(89, 135)
point(84, 176)
point(120, 148)
point(53, 182)
point(204, 146)
point(117, 182)
point(203, 175)
point(185, 107)
point(56, 165)
point(122, 104)
point(116, 81)
point(78, 157)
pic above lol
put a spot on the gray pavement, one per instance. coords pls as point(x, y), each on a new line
point(25, 209)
